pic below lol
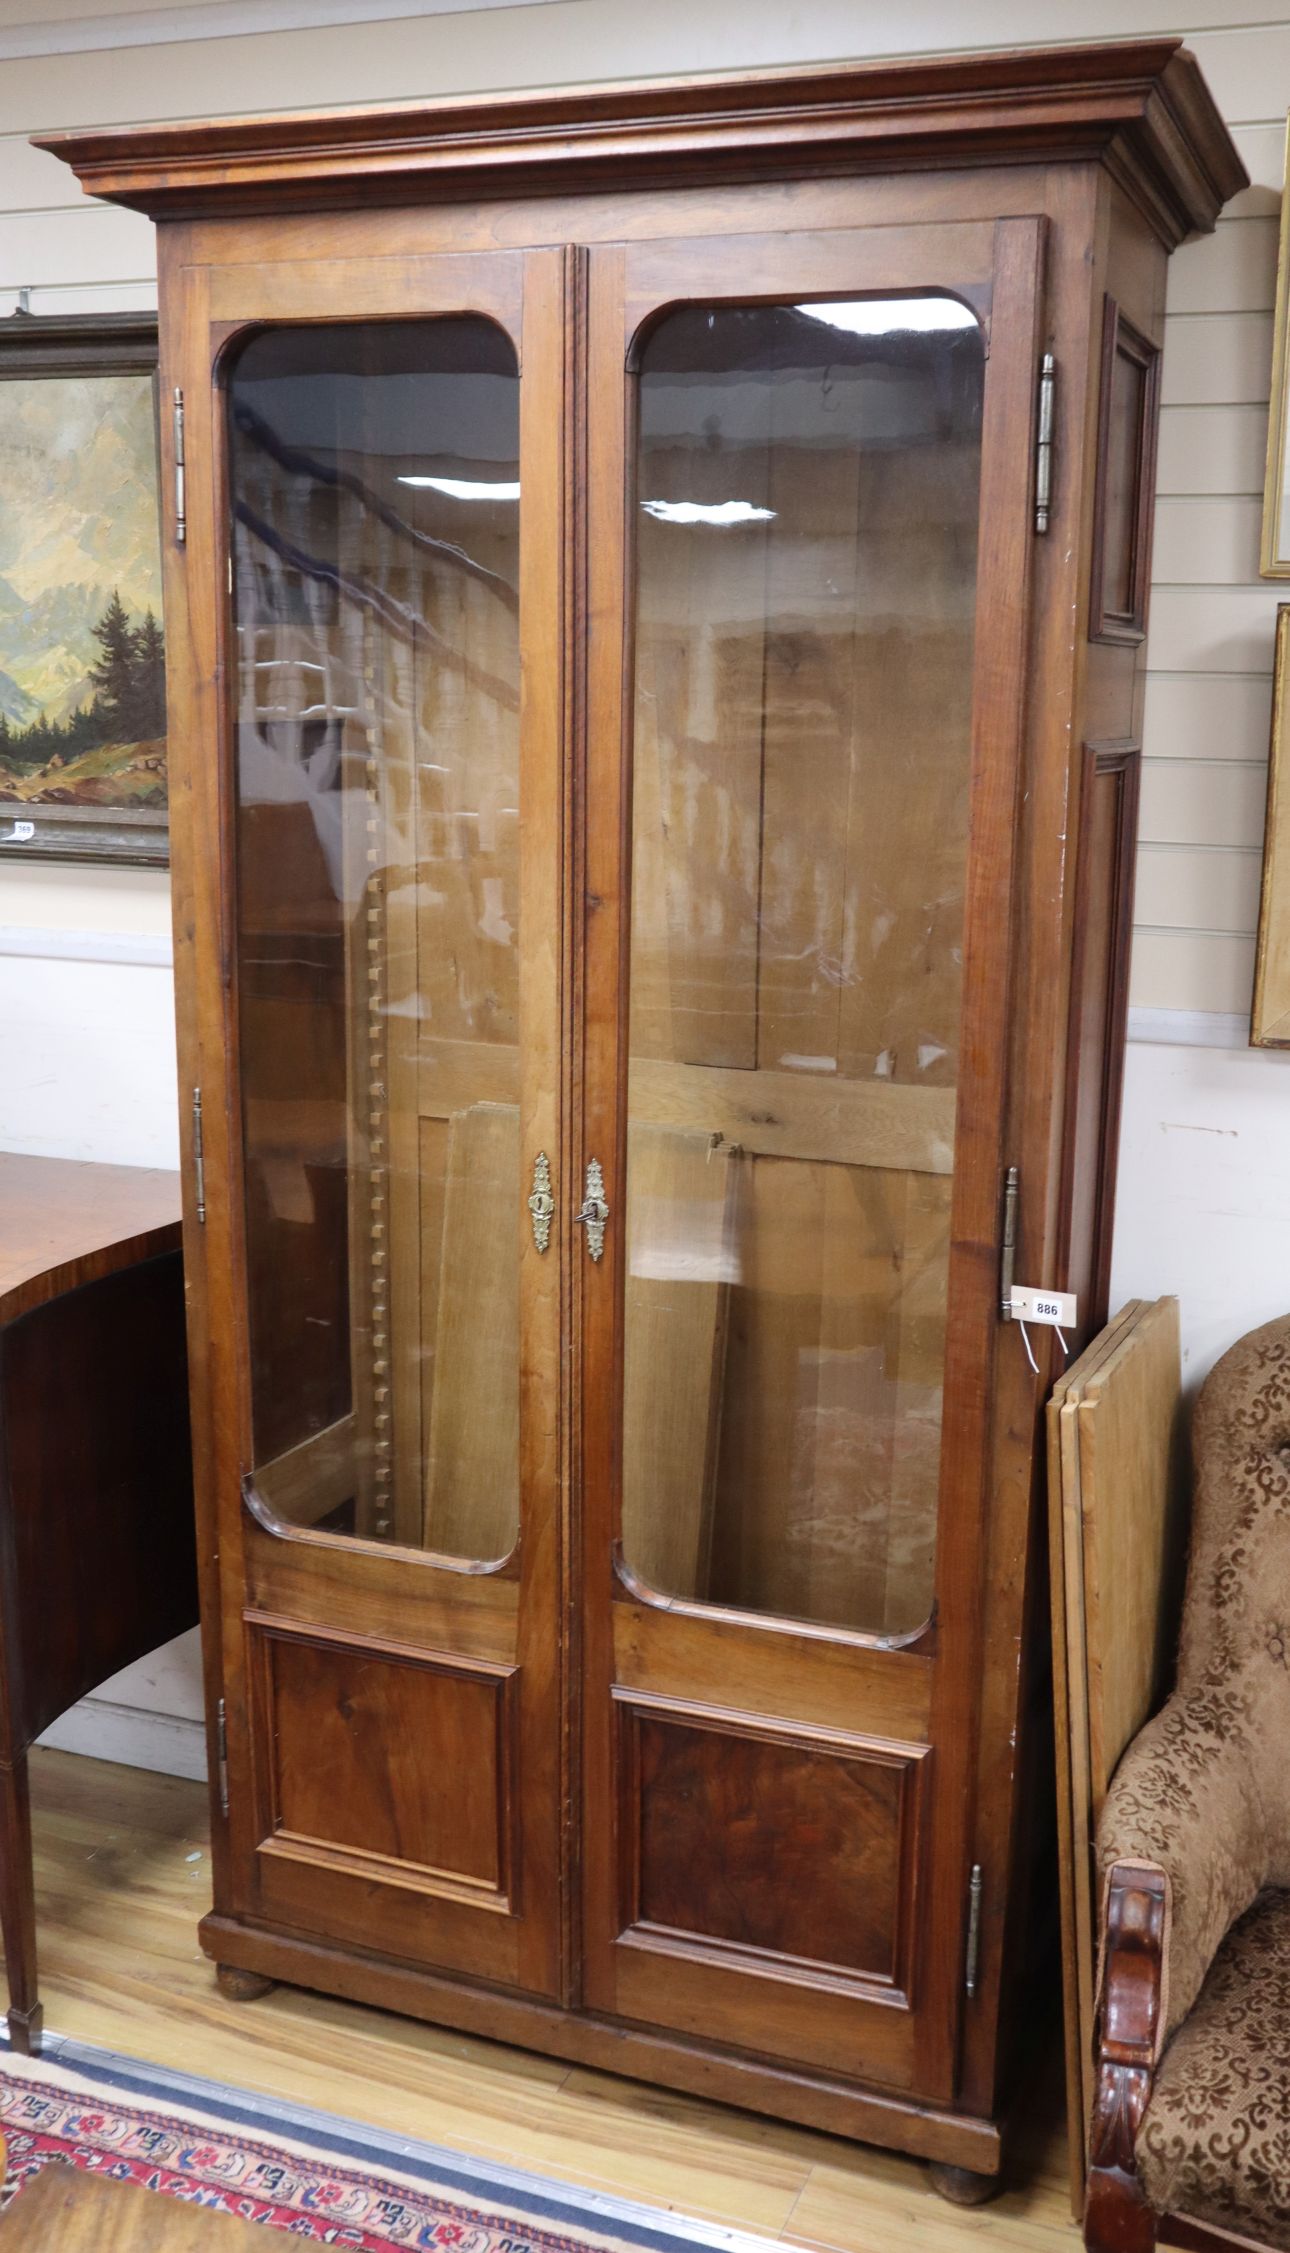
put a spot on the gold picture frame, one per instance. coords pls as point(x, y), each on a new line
point(1270, 1014)
point(1274, 550)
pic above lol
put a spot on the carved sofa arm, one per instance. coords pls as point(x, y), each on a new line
point(1183, 1843)
point(1130, 2036)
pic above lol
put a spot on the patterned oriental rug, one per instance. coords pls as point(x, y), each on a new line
point(204, 2152)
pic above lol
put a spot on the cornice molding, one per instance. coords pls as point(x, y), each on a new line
point(1141, 107)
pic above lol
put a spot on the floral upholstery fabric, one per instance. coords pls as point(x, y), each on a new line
point(1215, 2142)
point(1204, 1790)
point(1204, 1793)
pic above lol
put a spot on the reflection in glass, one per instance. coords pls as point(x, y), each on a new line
point(808, 487)
point(374, 479)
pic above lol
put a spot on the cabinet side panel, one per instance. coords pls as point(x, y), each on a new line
point(1086, 708)
point(1108, 826)
point(195, 879)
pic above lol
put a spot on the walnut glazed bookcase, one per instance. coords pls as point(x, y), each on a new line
point(655, 596)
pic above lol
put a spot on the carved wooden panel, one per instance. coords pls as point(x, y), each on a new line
point(798, 1846)
point(1126, 479)
point(383, 1760)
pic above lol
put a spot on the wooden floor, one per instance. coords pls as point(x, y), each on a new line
point(121, 1879)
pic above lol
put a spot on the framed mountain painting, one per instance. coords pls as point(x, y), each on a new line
point(82, 643)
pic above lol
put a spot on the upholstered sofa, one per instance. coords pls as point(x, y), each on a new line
point(1191, 2126)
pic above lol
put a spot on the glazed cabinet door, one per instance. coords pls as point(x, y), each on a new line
point(802, 786)
point(374, 634)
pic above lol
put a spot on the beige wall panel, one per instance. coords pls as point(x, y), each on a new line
point(83, 14)
point(1208, 716)
point(1217, 360)
point(57, 248)
point(370, 62)
point(1212, 629)
point(1234, 270)
point(992, 22)
point(31, 180)
point(72, 26)
point(1199, 891)
point(1216, 449)
point(1263, 152)
point(1208, 539)
point(1201, 970)
point(1248, 74)
point(1190, 802)
point(573, 40)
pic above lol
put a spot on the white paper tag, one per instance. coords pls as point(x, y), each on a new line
point(1059, 1309)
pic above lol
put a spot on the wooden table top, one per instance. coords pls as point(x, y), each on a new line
point(65, 1222)
point(68, 2211)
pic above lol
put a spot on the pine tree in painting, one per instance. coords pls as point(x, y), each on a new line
point(128, 707)
point(114, 675)
point(149, 680)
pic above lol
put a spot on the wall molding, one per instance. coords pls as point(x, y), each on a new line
point(172, 1744)
point(45, 942)
point(1189, 1028)
point(222, 19)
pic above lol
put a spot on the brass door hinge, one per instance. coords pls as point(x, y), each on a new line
point(221, 1751)
point(181, 517)
point(199, 1157)
point(972, 1957)
point(1008, 1242)
point(1044, 441)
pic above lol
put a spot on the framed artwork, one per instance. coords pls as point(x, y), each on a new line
point(1274, 559)
point(82, 643)
point(1270, 1016)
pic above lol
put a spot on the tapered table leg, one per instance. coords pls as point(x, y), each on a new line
point(18, 1908)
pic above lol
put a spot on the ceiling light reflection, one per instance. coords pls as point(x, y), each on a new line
point(707, 512)
point(887, 316)
point(466, 488)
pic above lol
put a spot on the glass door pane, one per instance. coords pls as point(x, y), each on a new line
point(807, 485)
point(374, 479)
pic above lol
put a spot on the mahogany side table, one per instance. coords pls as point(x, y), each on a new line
point(97, 1543)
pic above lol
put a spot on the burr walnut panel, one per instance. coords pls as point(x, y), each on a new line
point(798, 1847)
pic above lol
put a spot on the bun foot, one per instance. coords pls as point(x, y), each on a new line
point(962, 2185)
point(241, 1986)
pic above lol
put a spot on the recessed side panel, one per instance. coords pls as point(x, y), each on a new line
point(1124, 498)
point(385, 1762)
point(792, 1851)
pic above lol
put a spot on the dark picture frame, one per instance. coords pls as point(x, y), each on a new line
point(119, 816)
